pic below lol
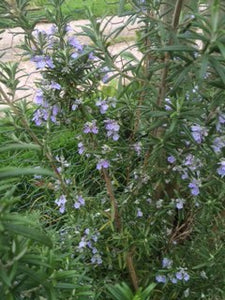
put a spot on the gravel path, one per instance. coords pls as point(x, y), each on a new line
point(12, 38)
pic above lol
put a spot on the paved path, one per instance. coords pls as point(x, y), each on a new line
point(12, 38)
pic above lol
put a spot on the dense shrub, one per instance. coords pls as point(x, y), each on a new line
point(137, 151)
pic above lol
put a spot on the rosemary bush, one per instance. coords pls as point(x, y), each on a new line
point(137, 149)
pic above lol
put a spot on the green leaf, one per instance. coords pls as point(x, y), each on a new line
point(4, 277)
point(204, 65)
point(30, 233)
point(178, 48)
point(148, 290)
point(19, 147)
point(155, 114)
point(65, 285)
point(221, 48)
point(65, 274)
point(121, 7)
point(14, 172)
point(218, 67)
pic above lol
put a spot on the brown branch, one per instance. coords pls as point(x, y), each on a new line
point(115, 212)
point(131, 269)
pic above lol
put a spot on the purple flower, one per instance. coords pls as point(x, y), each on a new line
point(105, 77)
point(112, 128)
point(87, 231)
point(42, 61)
point(161, 278)
point(61, 203)
point(74, 55)
point(81, 148)
point(94, 250)
point(221, 121)
point(80, 202)
point(82, 243)
point(55, 110)
point(192, 162)
point(102, 105)
point(39, 60)
point(198, 133)
point(137, 148)
point(49, 62)
point(221, 169)
point(180, 203)
point(95, 237)
point(139, 213)
point(90, 127)
point(40, 115)
point(102, 164)
point(91, 56)
point(55, 86)
point(173, 280)
point(182, 275)
point(171, 159)
point(96, 259)
point(75, 43)
point(76, 103)
point(218, 144)
point(53, 29)
point(39, 97)
point(68, 28)
point(168, 104)
point(167, 263)
point(194, 186)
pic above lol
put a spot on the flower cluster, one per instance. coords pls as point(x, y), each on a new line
point(61, 202)
point(45, 111)
point(90, 127)
point(88, 242)
point(112, 128)
point(79, 202)
point(102, 164)
point(42, 62)
point(221, 169)
point(198, 133)
point(180, 274)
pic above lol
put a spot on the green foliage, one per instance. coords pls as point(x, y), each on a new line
point(134, 201)
point(123, 292)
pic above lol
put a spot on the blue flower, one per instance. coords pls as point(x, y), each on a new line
point(180, 203)
point(137, 148)
point(161, 278)
point(90, 127)
point(221, 169)
point(182, 275)
point(80, 202)
point(81, 148)
point(102, 164)
point(171, 159)
point(194, 186)
point(39, 97)
point(167, 263)
point(218, 144)
point(75, 43)
point(55, 86)
point(139, 213)
point(102, 104)
point(61, 203)
point(112, 128)
point(198, 133)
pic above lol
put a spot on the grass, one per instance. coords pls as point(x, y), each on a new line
point(76, 8)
